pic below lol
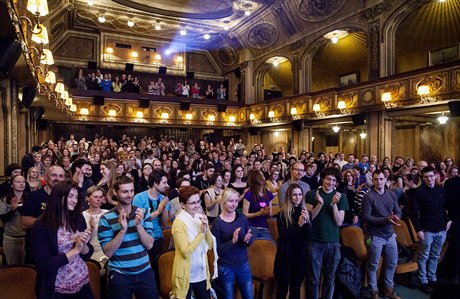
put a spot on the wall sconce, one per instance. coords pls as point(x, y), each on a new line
point(424, 92)
point(363, 135)
point(386, 98)
point(336, 129)
point(68, 101)
point(294, 113)
point(164, 115)
point(317, 110)
point(157, 59)
point(232, 118)
point(139, 114)
point(109, 52)
point(343, 107)
point(442, 119)
point(59, 88)
point(271, 115)
point(112, 113)
point(211, 118)
point(73, 108)
point(134, 55)
point(179, 61)
point(188, 116)
point(84, 111)
point(50, 78)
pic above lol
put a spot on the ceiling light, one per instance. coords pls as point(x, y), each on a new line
point(336, 129)
point(442, 119)
point(38, 7)
point(139, 114)
point(157, 25)
point(363, 135)
point(335, 35)
point(101, 19)
point(131, 23)
point(275, 62)
point(226, 27)
point(247, 13)
point(112, 113)
point(90, 2)
point(84, 111)
point(276, 133)
point(206, 36)
point(183, 32)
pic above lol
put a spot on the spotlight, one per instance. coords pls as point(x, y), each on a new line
point(101, 19)
point(183, 32)
point(131, 23)
point(247, 13)
point(206, 36)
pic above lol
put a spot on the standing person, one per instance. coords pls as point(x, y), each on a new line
point(192, 240)
point(233, 236)
point(257, 205)
point(196, 91)
point(211, 197)
point(452, 189)
point(36, 203)
point(430, 219)
point(13, 234)
point(294, 228)
point(380, 212)
point(237, 183)
point(327, 207)
point(209, 92)
point(156, 206)
point(297, 172)
point(95, 196)
point(221, 92)
point(185, 89)
point(59, 242)
point(126, 235)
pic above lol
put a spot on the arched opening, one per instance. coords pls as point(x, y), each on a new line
point(428, 36)
point(277, 78)
point(349, 55)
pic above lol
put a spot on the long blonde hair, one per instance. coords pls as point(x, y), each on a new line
point(288, 208)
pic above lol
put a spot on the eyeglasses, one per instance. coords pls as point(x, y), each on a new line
point(298, 169)
point(194, 203)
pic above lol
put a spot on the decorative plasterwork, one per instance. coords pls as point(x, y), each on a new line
point(226, 55)
point(262, 35)
point(314, 11)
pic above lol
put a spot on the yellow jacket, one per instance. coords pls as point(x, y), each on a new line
point(182, 258)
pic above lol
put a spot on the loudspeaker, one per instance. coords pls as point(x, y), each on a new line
point(162, 70)
point(237, 73)
point(253, 131)
point(28, 95)
point(185, 105)
point(221, 108)
point(144, 103)
point(182, 129)
point(190, 75)
point(10, 50)
point(39, 113)
point(92, 65)
point(98, 100)
point(358, 119)
point(454, 108)
point(42, 124)
point(297, 125)
point(129, 67)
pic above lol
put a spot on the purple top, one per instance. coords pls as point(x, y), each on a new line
point(254, 207)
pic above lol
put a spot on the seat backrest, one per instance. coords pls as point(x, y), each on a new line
point(412, 231)
point(166, 240)
point(273, 228)
point(165, 266)
point(17, 282)
point(261, 256)
point(94, 277)
point(353, 237)
point(403, 235)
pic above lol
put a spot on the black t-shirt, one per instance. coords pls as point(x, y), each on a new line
point(35, 203)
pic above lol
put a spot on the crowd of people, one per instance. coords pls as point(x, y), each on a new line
point(128, 83)
point(109, 201)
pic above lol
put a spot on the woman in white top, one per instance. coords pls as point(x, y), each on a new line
point(212, 195)
point(185, 89)
point(95, 196)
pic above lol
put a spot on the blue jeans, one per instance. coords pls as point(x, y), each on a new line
point(430, 251)
point(123, 286)
point(327, 257)
point(243, 277)
point(390, 256)
point(260, 233)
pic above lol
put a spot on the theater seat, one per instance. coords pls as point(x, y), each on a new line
point(94, 269)
point(261, 255)
point(17, 282)
point(165, 265)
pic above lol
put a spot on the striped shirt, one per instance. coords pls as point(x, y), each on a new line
point(131, 257)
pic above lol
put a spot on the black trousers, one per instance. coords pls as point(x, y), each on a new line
point(199, 290)
point(291, 280)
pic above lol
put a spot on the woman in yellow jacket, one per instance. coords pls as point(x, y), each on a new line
point(192, 239)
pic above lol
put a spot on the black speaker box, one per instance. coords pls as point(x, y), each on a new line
point(10, 50)
point(253, 131)
point(185, 105)
point(358, 119)
point(129, 67)
point(297, 125)
point(98, 100)
point(28, 95)
point(190, 75)
point(221, 108)
point(144, 103)
point(42, 124)
point(162, 70)
point(454, 108)
point(39, 113)
point(237, 73)
point(92, 65)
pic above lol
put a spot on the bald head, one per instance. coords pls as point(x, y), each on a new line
point(54, 175)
